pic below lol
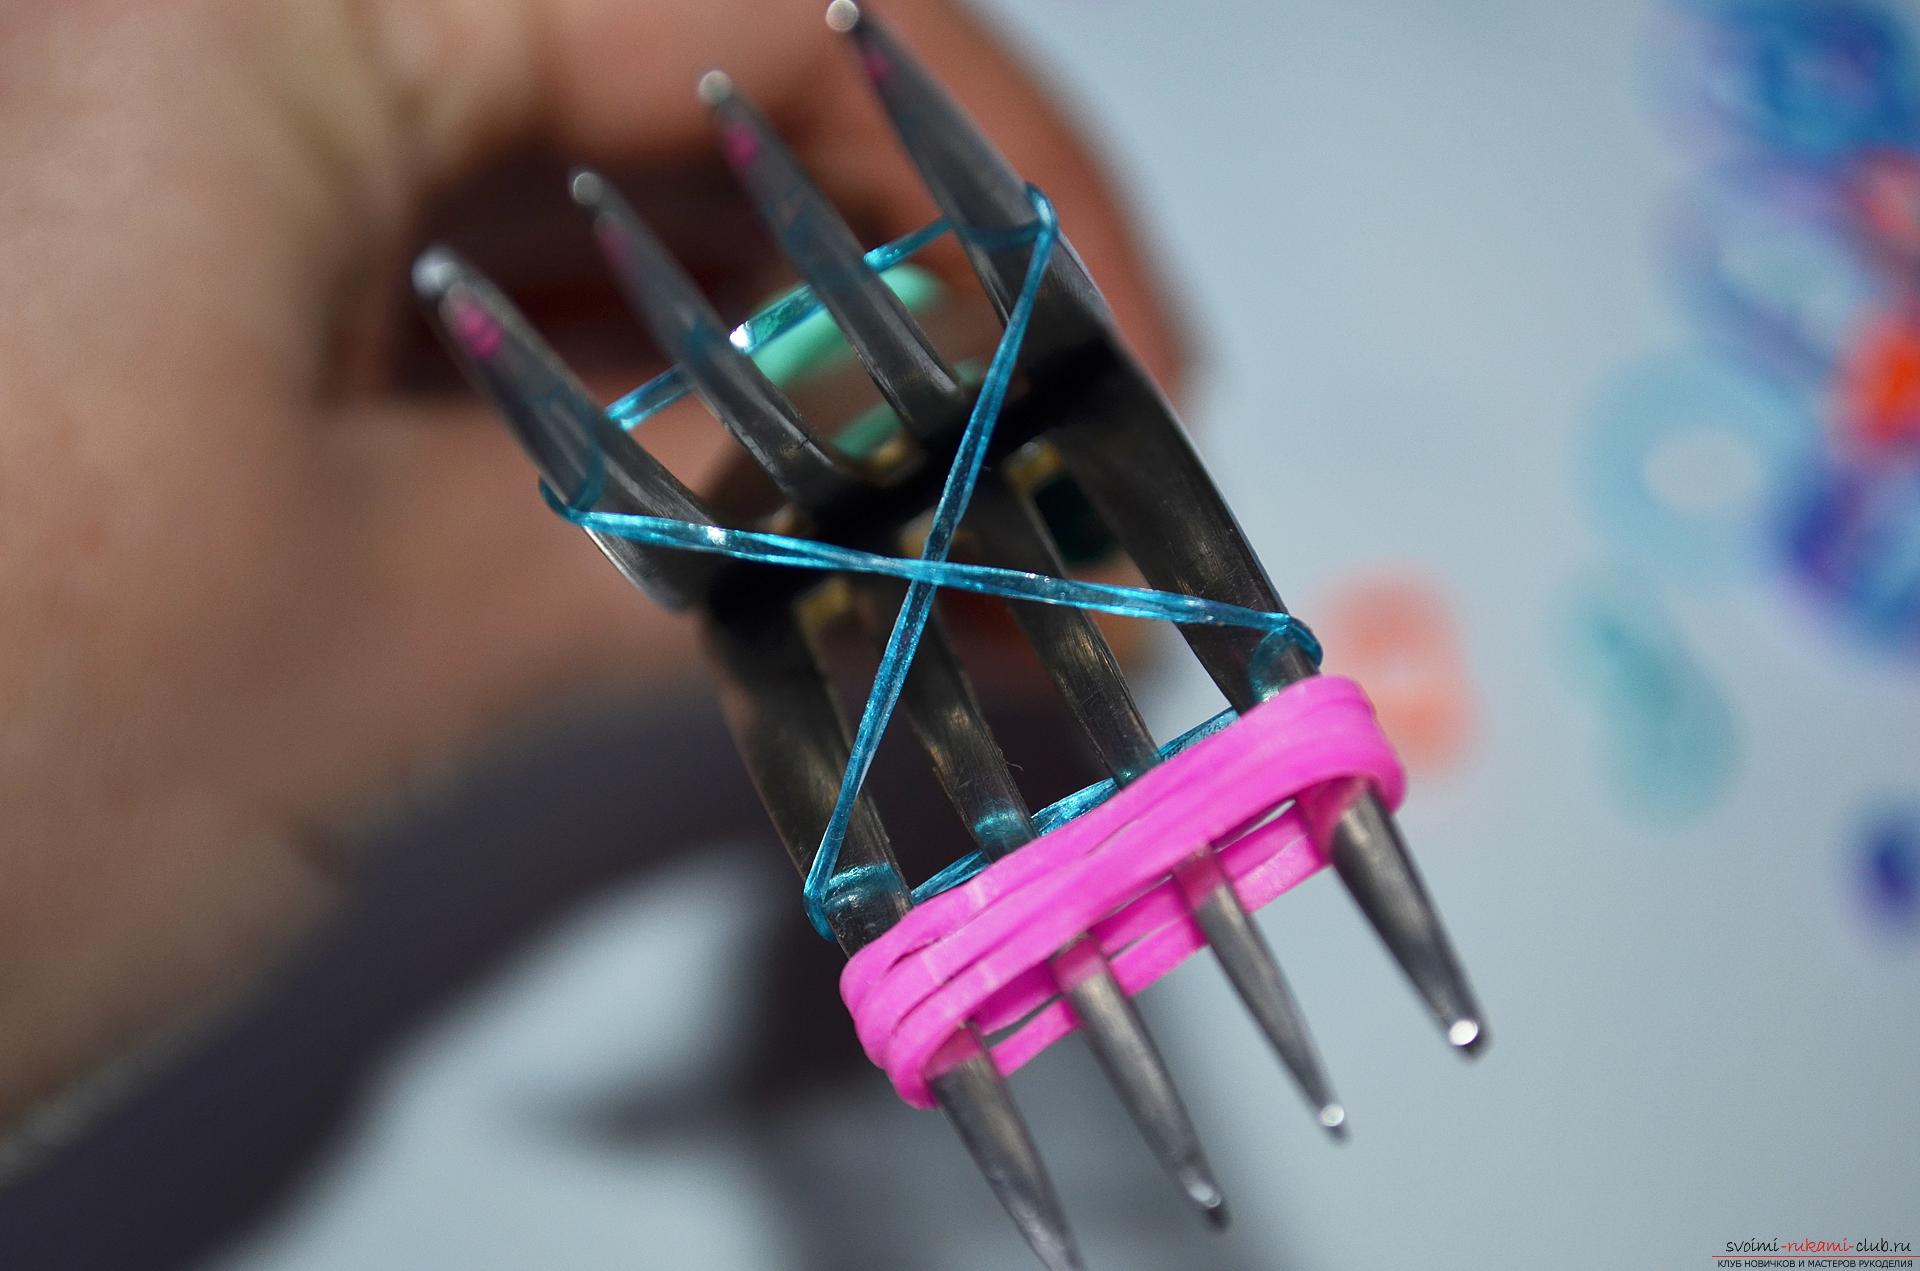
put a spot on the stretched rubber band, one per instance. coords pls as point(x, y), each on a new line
point(1013, 584)
point(917, 607)
point(978, 952)
point(931, 570)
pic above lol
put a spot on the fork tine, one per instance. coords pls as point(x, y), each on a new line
point(1086, 674)
point(1250, 966)
point(973, 184)
point(557, 422)
point(793, 739)
point(1372, 860)
point(1111, 424)
point(974, 1097)
point(691, 334)
point(1181, 534)
point(1184, 539)
point(940, 706)
point(908, 370)
point(986, 191)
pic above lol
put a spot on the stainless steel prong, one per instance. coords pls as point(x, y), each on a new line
point(1256, 977)
point(1087, 676)
point(1121, 442)
point(941, 708)
point(569, 437)
point(973, 1096)
point(1183, 538)
point(974, 185)
point(691, 335)
point(1373, 862)
point(965, 172)
point(794, 741)
point(1135, 1068)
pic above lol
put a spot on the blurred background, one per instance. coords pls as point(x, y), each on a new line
point(1563, 363)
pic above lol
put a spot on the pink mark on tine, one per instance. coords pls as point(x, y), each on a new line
point(476, 329)
point(613, 244)
point(978, 952)
point(879, 69)
point(739, 144)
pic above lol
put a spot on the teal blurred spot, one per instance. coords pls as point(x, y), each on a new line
point(1667, 740)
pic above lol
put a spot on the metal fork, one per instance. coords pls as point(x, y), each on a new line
point(1081, 394)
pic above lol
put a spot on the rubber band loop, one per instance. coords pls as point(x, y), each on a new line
point(978, 952)
point(1012, 584)
point(932, 570)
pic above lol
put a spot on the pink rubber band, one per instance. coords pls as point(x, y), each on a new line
point(979, 951)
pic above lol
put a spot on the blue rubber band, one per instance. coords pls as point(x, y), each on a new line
point(931, 570)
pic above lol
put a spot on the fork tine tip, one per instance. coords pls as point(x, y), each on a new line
point(588, 188)
point(843, 16)
point(1468, 1036)
point(434, 272)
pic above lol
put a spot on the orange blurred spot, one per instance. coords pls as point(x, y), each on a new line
point(1394, 634)
point(1879, 385)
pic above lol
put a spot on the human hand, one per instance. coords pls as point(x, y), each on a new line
point(252, 592)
